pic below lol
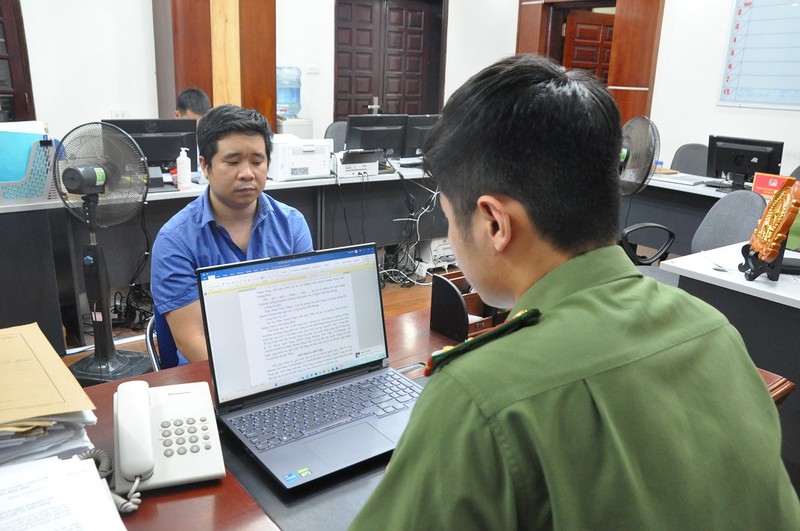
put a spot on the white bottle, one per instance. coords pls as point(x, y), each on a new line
point(184, 175)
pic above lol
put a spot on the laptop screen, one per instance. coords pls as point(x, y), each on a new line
point(282, 321)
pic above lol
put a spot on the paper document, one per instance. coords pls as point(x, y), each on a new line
point(56, 494)
point(34, 382)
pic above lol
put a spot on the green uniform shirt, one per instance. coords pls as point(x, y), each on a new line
point(630, 405)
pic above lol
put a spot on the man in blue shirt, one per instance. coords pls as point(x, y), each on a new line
point(232, 220)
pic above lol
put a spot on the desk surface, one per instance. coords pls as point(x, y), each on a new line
point(699, 266)
point(698, 189)
point(170, 192)
point(240, 500)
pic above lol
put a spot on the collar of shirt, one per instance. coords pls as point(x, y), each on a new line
point(589, 269)
point(263, 210)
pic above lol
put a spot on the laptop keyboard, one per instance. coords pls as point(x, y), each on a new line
point(380, 396)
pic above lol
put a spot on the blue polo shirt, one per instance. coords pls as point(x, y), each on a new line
point(192, 238)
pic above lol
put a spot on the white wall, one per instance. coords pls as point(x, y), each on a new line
point(691, 58)
point(304, 35)
point(89, 58)
point(478, 34)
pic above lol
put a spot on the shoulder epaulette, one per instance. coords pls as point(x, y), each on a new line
point(521, 319)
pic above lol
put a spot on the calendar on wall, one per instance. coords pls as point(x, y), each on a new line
point(762, 63)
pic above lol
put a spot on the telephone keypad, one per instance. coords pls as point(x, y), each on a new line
point(174, 442)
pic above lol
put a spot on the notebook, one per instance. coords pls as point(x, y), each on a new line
point(288, 334)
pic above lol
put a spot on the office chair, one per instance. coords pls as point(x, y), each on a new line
point(731, 220)
point(691, 159)
point(337, 131)
point(160, 343)
point(150, 340)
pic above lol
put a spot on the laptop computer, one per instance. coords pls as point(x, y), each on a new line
point(289, 335)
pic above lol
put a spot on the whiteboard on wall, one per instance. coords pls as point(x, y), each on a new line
point(762, 63)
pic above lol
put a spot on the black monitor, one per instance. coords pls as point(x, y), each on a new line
point(161, 140)
point(738, 159)
point(416, 129)
point(377, 131)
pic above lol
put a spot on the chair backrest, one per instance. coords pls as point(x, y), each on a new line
point(730, 220)
point(150, 341)
point(337, 131)
point(160, 343)
point(691, 159)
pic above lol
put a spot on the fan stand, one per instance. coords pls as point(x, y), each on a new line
point(106, 363)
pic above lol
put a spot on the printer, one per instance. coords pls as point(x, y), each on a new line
point(294, 158)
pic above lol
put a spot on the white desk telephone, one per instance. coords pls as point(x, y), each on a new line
point(164, 436)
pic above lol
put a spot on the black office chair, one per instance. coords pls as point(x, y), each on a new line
point(337, 131)
point(691, 159)
point(730, 220)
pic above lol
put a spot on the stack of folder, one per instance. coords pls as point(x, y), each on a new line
point(43, 409)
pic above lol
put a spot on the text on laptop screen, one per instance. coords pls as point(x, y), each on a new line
point(278, 322)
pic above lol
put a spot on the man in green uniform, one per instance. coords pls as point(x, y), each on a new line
point(608, 400)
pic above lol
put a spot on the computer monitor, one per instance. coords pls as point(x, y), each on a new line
point(417, 127)
point(377, 131)
point(738, 159)
point(161, 140)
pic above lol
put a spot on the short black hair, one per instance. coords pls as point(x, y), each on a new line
point(527, 128)
point(193, 99)
point(226, 119)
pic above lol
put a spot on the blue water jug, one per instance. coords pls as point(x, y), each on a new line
point(288, 104)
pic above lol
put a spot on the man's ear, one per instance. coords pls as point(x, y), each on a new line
point(177, 114)
point(495, 216)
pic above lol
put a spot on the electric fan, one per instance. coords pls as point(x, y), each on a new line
point(101, 176)
point(640, 147)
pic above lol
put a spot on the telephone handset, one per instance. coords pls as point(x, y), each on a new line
point(164, 436)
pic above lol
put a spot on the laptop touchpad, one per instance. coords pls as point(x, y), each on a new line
point(351, 445)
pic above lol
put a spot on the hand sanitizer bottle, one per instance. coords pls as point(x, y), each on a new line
point(184, 171)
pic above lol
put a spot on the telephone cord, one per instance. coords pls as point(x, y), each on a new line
point(103, 463)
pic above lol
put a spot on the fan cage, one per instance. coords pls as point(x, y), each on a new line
point(641, 138)
point(108, 146)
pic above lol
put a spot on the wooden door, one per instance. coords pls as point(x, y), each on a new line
point(634, 53)
point(389, 50)
point(16, 96)
point(637, 33)
point(587, 43)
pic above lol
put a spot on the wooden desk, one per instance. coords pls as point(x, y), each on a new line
point(765, 312)
point(240, 500)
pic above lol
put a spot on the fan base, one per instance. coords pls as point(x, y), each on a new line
point(120, 364)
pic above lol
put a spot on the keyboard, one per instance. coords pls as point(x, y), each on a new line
point(685, 178)
point(380, 395)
